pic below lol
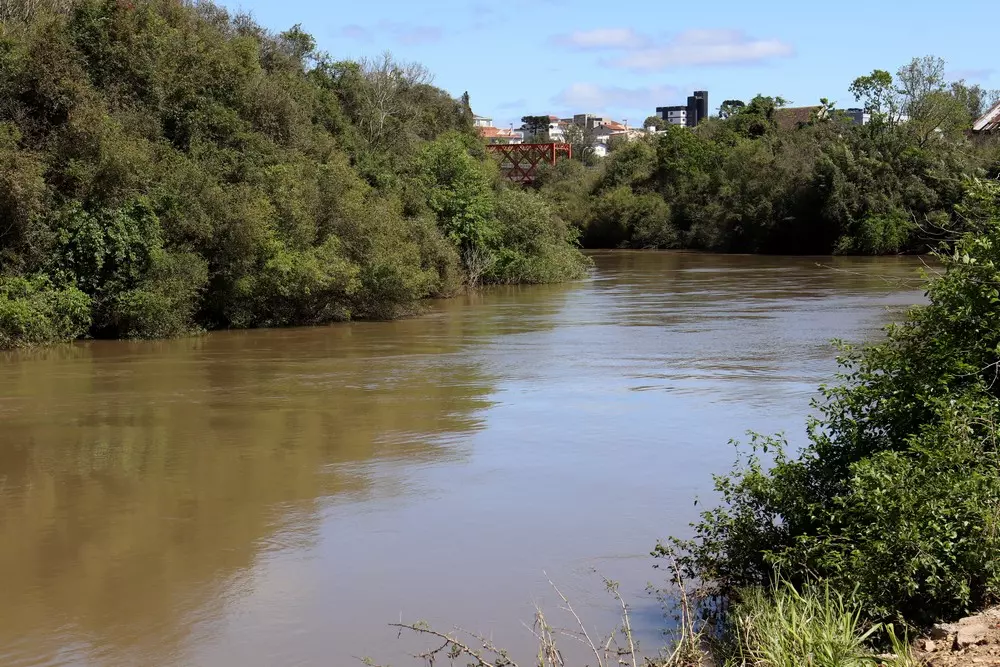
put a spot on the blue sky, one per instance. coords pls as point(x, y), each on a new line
point(563, 56)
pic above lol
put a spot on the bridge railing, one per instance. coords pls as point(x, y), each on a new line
point(519, 162)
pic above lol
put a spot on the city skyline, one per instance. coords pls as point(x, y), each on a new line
point(553, 56)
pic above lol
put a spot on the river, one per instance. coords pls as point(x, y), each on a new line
point(272, 498)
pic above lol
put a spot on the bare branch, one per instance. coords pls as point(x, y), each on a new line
point(449, 641)
point(583, 628)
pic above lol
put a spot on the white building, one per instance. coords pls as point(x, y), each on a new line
point(557, 130)
point(496, 135)
point(677, 115)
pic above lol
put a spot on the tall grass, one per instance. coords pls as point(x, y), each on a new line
point(812, 627)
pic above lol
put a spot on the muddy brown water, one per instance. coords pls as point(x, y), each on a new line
point(277, 497)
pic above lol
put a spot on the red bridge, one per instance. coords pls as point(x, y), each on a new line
point(519, 162)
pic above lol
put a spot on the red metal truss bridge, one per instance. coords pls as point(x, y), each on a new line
point(519, 162)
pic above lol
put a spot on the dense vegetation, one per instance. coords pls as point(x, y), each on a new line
point(759, 179)
point(895, 501)
point(165, 166)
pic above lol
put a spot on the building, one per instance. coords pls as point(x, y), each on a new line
point(557, 130)
point(697, 107)
point(858, 116)
point(989, 123)
point(675, 115)
point(792, 118)
point(496, 135)
point(588, 121)
point(689, 115)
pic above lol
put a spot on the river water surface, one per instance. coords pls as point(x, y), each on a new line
point(272, 498)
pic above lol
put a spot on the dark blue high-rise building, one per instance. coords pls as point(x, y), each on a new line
point(691, 114)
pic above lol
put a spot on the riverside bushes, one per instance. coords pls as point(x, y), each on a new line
point(33, 311)
point(895, 500)
point(175, 167)
point(756, 182)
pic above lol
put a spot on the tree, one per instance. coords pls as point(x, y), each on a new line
point(976, 99)
point(655, 122)
point(536, 128)
point(878, 97)
point(730, 108)
point(382, 95)
point(927, 101)
point(582, 141)
point(756, 118)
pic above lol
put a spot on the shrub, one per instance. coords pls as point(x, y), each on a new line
point(878, 235)
point(896, 497)
point(533, 245)
point(786, 627)
point(621, 218)
point(297, 287)
point(33, 311)
point(458, 191)
point(165, 303)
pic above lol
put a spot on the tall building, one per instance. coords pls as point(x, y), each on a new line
point(689, 115)
point(697, 107)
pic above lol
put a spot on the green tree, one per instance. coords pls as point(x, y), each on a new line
point(655, 122)
point(879, 97)
point(182, 168)
point(536, 128)
point(458, 192)
point(731, 108)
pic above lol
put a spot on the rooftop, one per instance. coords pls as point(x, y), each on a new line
point(497, 133)
point(789, 118)
point(990, 122)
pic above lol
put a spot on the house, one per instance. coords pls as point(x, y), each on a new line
point(557, 130)
point(588, 121)
point(791, 118)
point(496, 135)
point(989, 123)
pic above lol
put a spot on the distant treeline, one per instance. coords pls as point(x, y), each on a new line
point(752, 181)
point(167, 166)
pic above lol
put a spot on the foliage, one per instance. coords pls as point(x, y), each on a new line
point(878, 235)
point(536, 128)
point(33, 311)
point(621, 217)
point(753, 181)
point(895, 500)
point(184, 168)
point(730, 107)
point(655, 122)
point(533, 245)
point(458, 192)
point(786, 627)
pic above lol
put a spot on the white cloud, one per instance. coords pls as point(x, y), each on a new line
point(594, 97)
point(687, 48)
point(402, 33)
point(602, 38)
point(704, 47)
